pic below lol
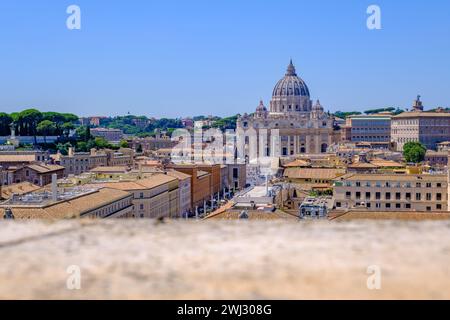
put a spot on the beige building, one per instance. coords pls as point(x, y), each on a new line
point(428, 128)
point(78, 162)
point(184, 189)
point(73, 203)
point(303, 127)
point(391, 192)
point(153, 197)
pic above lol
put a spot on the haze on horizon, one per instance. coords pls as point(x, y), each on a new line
point(201, 57)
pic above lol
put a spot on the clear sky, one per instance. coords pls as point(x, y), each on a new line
point(180, 58)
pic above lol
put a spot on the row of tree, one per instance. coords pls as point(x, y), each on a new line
point(32, 122)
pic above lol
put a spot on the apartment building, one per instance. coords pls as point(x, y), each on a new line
point(391, 192)
point(201, 183)
point(19, 158)
point(153, 197)
point(184, 189)
point(428, 128)
point(152, 143)
point(370, 128)
point(110, 135)
point(37, 173)
point(69, 203)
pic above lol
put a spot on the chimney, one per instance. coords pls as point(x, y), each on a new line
point(140, 169)
point(70, 151)
point(54, 187)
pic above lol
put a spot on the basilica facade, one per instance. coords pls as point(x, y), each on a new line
point(302, 127)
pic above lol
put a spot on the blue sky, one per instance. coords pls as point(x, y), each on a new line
point(180, 58)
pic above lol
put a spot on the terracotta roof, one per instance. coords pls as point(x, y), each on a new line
point(394, 177)
point(18, 188)
point(385, 163)
point(147, 183)
point(17, 158)
point(297, 163)
point(117, 169)
point(178, 174)
point(425, 114)
point(436, 153)
point(68, 209)
point(45, 168)
point(313, 173)
point(362, 165)
point(253, 215)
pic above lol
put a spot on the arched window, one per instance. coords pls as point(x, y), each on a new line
point(323, 148)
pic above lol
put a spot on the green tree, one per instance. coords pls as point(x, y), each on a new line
point(46, 128)
point(101, 143)
point(28, 121)
point(123, 143)
point(5, 121)
point(414, 152)
point(66, 127)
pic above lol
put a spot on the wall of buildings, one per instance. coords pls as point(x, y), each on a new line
point(391, 192)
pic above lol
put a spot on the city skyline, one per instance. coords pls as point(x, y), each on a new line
point(175, 60)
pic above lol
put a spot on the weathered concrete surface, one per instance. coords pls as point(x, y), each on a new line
point(225, 260)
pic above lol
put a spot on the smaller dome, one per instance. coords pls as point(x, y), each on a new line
point(317, 106)
point(261, 107)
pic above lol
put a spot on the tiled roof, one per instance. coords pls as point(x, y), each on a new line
point(385, 163)
point(17, 158)
point(119, 169)
point(18, 188)
point(297, 163)
point(313, 173)
point(45, 168)
point(362, 165)
point(142, 184)
point(394, 177)
point(68, 209)
point(413, 114)
point(253, 215)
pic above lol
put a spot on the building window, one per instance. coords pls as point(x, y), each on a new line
point(438, 196)
point(408, 205)
point(438, 207)
point(358, 195)
point(428, 185)
point(418, 196)
point(408, 196)
point(428, 196)
point(367, 195)
point(398, 196)
point(378, 195)
point(388, 205)
point(398, 205)
point(428, 208)
point(388, 196)
point(348, 195)
point(338, 205)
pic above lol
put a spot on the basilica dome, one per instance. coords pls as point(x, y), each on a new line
point(291, 85)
